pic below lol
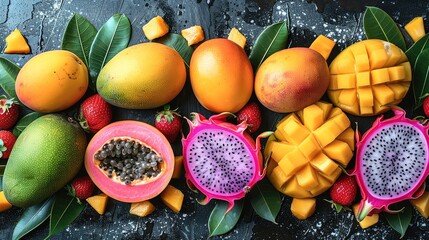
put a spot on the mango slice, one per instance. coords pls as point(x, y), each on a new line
point(307, 150)
point(98, 202)
point(193, 35)
point(368, 221)
point(173, 198)
point(178, 167)
point(16, 43)
point(368, 77)
point(155, 28)
point(142, 209)
point(4, 204)
point(415, 28)
point(302, 208)
point(236, 36)
point(422, 204)
point(323, 45)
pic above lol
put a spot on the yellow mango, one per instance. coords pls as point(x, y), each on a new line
point(323, 45)
point(193, 35)
point(333, 176)
point(346, 81)
point(348, 136)
point(339, 151)
point(399, 90)
point(368, 221)
point(383, 94)
point(396, 56)
point(98, 202)
point(326, 107)
point(309, 147)
point(348, 97)
point(155, 28)
point(178, 167)
point(408, 71)
point(379, 76)
point(422, 204)
point(279, 149)
point(365, 97)
point(302, 208)
point(278, 178)
point(142, 209)
point(293, 189)
point(378, 58)
point(236, 36)
point(330, 130)
point(16, 43)
point(307, 178)
point(396, 73)
point(363, 79)
point(173, 198)
point(295, 132)
point(4, 204)
point(323, 164)
point(415, 28)
point(324, 184)
point(293, 162)
point(312, 117)
point(343, 65)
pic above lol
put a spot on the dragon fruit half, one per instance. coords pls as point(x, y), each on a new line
point(391, 162)
point(221, 160)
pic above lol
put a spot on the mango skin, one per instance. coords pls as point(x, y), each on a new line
point(52, 81)
point(143, 76)
point(46, 156)
point(291, 79)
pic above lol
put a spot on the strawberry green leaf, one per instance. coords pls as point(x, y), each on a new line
point(8, 73)
point(179, 43)
point(112, 38)
point(271, 40)
point(221, 222)
point(377, 24)
point(265, 200)
point(418, 47)
point(78, 37)
point(401, 220)
point(65, 210)
point(24, 122)
point(421, 78)
point(32, 217)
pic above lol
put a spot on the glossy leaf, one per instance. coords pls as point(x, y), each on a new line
point(421, 78)
point(401, 220)
point(179, 43)
point(377, 24)
point(265, 200)
point(24, 121)
point(271, 40)
point(65, 210)
point(1, 181)
point(8, 73)
point(32, 217)
point(418, 47)
point(112, 38)
point(78, 37)
point(221, 223)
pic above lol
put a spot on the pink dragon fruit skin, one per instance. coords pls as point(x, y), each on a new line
point(377, 196)
point(217, 174)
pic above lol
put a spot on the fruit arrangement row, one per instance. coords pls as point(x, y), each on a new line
point(308, 153)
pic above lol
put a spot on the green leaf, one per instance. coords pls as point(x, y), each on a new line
point(219, 222)
point(32, 217)
point(421, 78)
point(401, 220)
point(112, 38)
point(179, 43)
point(1, 182)
point(265, 200)
point(377, 24)
point(8, 73)
point(24, 121)
point(418, 47)
point(78, 37)
point(271, 40)
point(65, 210)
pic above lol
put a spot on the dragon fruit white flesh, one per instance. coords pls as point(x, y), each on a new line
point(391, 162)
point(221, 160)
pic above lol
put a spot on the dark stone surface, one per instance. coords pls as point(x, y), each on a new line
point(43, 23)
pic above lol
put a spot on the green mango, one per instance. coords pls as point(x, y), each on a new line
point(46, 156)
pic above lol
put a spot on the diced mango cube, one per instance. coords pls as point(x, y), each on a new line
point(326, 107)
point(193, 35)
point(348, 136)
point(324, 183)
point(377, 58)
point(348, 97)
point(323, 45)
point(98, 202)
point(333, 176)
point(293, 162)
point(422, 204)
point(142, 209)
point(278, 178)
point(383, 94)
point(339, 151)
point(326, 133)
point(280, 149)
point(16, 43)
point(323, 164)
point(398, 89)
point(365, 96)
point(303, 208)
point(368, 221)
point(366, 110)
point(178, 167)
point(396, 73)
point(4, 204)
point(309, 147)
point(173, 198)
point(363, 79)
point(312, 117)
point(379, 76)
point(346, 81)
point(415, 28)
point(236, 36)
point(307, 178)
point(293, 131)
point(344, 64)
point(396, 56)
point(155, 28)
point(408, 71)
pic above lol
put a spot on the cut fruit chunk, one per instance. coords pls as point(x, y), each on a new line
point(155, 28)
point(4, 204)
point(323, 45)
point(178, 167)
point(303, 208)
point(173, 198)
point(415, 28)
point(16, 43)
point(98, 202)
point(142, 209)
point(422, 204)
point(193, 35)
point(368, 221)
point(236, 36)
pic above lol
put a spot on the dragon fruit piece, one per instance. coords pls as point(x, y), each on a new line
point(221, 160)
point(391, 162)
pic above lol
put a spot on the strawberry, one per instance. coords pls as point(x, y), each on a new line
point(169, 123)
point(7, 140)
point(343, 191)
point(81, 188)
point(426, 106)
point(252, 115)
point(9, 112)
point(94, 113)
